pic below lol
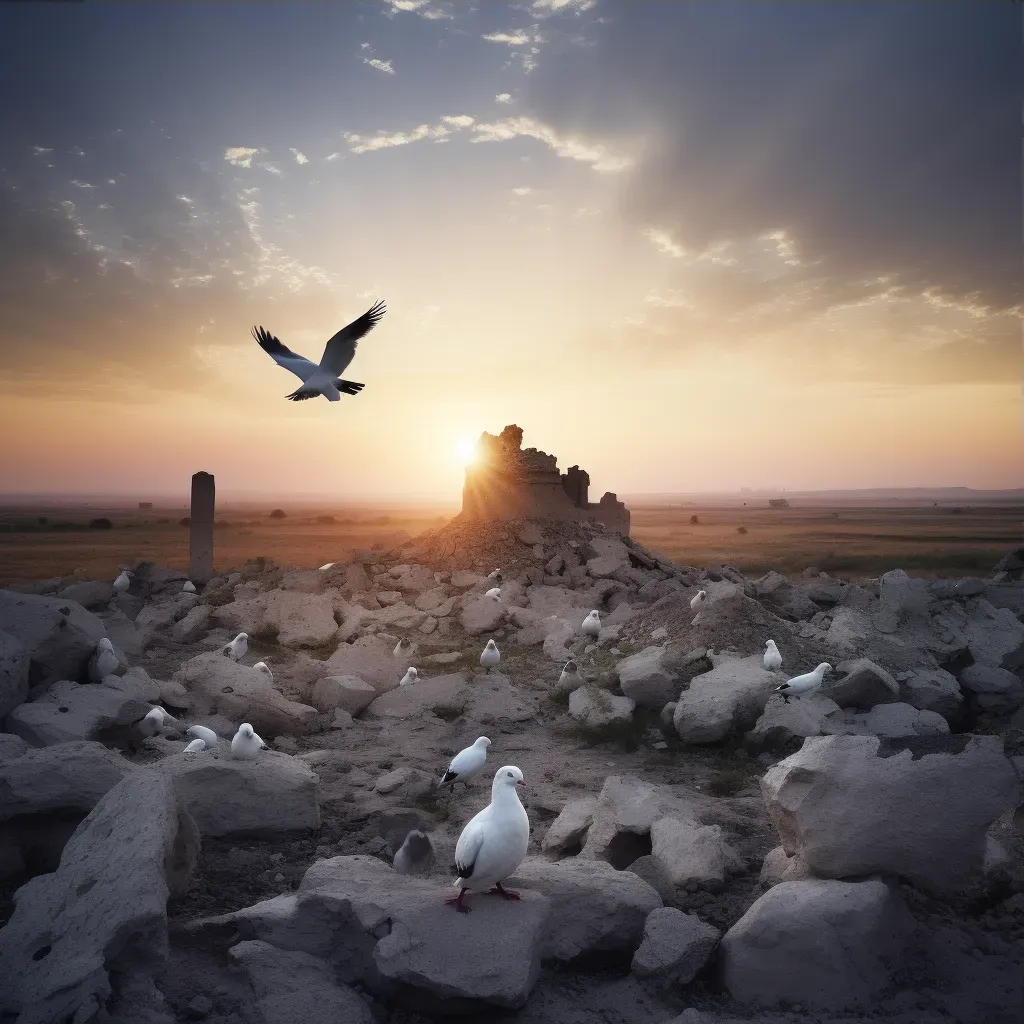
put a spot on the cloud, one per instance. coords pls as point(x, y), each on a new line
point(241, 156)
point(434, 133)
point(546, 8)
point(364, 46)
point(663, 241)
point(571, 147)
point(509, 38)
point(41, 150)
point(503, 97)
point(332, 156)
point(882, 141)
point(272, 168)
point(81, 184)
point(524, 190)
point(300, 158)
point(421, 7)
point(380, 65)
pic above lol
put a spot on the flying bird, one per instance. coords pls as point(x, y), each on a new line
point(324, 379)
point(494, 842)
point(802, 686)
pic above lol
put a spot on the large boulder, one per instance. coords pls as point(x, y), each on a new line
point(72, 711)
point(823, 944)
point(675, 947)
point(394, 934)
point(292, 987)
point(371, 659)
point(917, 807)
point(931, 689)
point(58, 635)
point(301, 620)
point(482, 614)
point(901, 601)
point(273, 792)
point(595, 909)
point(14, 668)
point(445, 695)
point(891, 720)
point(595, 708)
point(220, 686)
point(863, 685)
point(104, 911)
point(91, 594)
point(65, 777)
point(565, 834)
point(783, 723)
point(646, 678)
point(728, 698)
point(693, 854)
point(347, 692)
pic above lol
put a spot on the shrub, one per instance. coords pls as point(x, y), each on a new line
point(741, 529)
point(694, 520)
point(278, 513)
point(187, 521)
point(101, 524)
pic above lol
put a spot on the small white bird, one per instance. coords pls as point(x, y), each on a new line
point(246, 744)
point(494, 593)
point(154, 721)
point(699, 600)
point(802, 686)
point(208, 736)
point(490, 655)
point(237, 648)
point(410, 677)
point(324, 379)
point(194, 747)
point(264, 668)
point(123, 582)
point(189, 587)
point(772, 657)
point(495, 574)
point(403, 649)
point(494, 842)
point(570, 678)
point(465, 764)
point(592, 624)
point(416, 855)
point(103, 661)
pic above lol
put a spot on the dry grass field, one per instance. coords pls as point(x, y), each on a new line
point(846, 540)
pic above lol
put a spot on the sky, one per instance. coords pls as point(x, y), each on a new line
point(689, 246)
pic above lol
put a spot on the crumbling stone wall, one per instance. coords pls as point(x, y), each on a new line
point(509, 482)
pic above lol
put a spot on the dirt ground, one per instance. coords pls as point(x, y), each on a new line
point(845, 540)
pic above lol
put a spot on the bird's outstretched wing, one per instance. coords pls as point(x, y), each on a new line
point(341, 349)
point(283, 355)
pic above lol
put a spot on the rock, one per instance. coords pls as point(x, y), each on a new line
point(917, 807)
point(653, 872)
point(729, 697)
point(292, 987)
point(70, 711)
point(988, 679)
point(890, 720)
point(901, 600)
point(675, 947)
point(594, 908)
point(565, 834)
point(138, 683)
point(482, 615)
point(302, 620)
point(241, 694)
point(105, 908)
point(394, 934)
point(196, 623)
point(272, 793)
point(596, 708)
point(445, 695)
point(162, 615)
point(779, 867)
point(782, 723)
point(347, 692)
point(864, 685)
point(14, 668)
point(89, 594)
point(66, 777)
point(370, 659)
point(645, 678)
point(693, 854)
point(172, 694)
point(931, 689)
point(58, 635)
point(852, 932)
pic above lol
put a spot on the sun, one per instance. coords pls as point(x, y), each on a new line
point(465, 450)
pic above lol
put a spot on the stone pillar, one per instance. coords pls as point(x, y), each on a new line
point(200, 560)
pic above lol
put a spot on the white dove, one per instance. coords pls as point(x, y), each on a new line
point(324, 379)
point(772, 657)
point(237, 648)
point(592, 624)
point(465, 764)
point(699, 600)
point(490, 655)
point(246, 744)
point(802, 686)
point(154, 721)
point(123, 582)
point(410, 677)
point(404, 648)
point(194, 747)
point(208, 736)
point(494, 593)
point(264, 668)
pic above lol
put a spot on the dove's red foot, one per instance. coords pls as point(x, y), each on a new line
point(509, 894)
point(456, 901)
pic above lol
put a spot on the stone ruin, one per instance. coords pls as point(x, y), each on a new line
point(510, 482)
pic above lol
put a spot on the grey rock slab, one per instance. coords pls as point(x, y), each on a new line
point(862, 685)
point(675, 946)
point(271, 793)
point(853, 933)
point(347, 692)
point(890, 720)
point(569, 828)
point(65, 777)
point(729, 697)
point(693, 854)
point(932, 689)
point(918, 807)
point(14, 669)
point(646, 678)
point(595, 708)
point(782, 722)
point(104, 910)
point(59, 635)
point(395, 934)
point(594, 908)
point(448, 694)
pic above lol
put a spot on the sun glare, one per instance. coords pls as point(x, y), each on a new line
point(465, 450)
